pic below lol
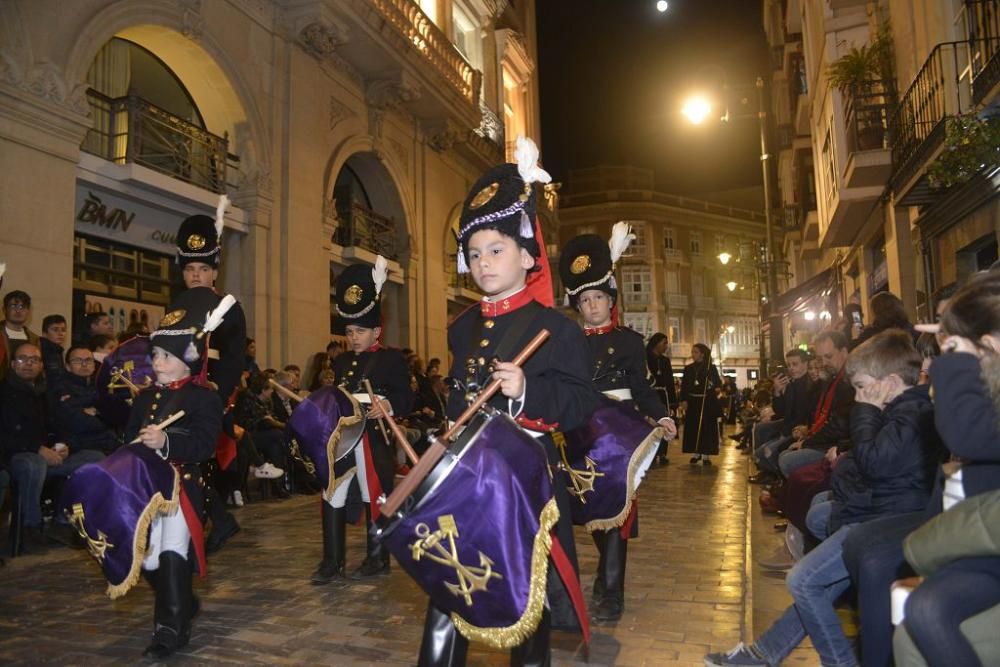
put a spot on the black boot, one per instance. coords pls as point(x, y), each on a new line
point(376, 563)
point(600, 537)
point(175, 606)
point(441, 645)
point(536, 650)
point(331, 568)
point(224, 526)
point(612, 605)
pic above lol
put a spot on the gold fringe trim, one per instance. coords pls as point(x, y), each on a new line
point(331, 445)
point(346, 477)
point(513, 635)
point(641, 454)
point(140, 541)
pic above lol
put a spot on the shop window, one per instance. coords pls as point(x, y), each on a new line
point(110, 269)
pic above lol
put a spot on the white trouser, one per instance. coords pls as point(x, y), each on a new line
point(167, 533)
point(339, 498)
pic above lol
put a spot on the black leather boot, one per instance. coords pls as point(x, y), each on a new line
point(441, 645)
point(331, 568)
point(536, 650)
point(612, 605)
point(600, 537)
point(376, 563)
point(174, 608)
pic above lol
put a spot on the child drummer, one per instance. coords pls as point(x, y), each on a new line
point(178, 349)
point(618, 369)
point(499, 245)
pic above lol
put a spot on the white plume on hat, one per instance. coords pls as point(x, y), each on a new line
point(3, 269)
point(526, 155)
point(621, 237)
point(380, 273)
point(220, 216)
point(216, 315)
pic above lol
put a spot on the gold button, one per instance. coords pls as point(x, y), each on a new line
point(187, 475)
point(482, 361)
point(611, 350)
point(354, 363)
point(350, 373)
point(157, 395)
point(489, 324)
point(484, 342)
point(153, 406)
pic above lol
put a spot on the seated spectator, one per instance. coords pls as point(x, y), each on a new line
point(966, 385)
point(887, 312)
point(136, 328)
point(101, 345)
point(830, 425)
point(264, 437)
point(73, 405)
point(52, 345)
point(317, 364)
point(296, 377)
point(14, 327)
point(32, 452)
point(281, 404)
point(333, 348)
point(433, 367)
point(791, 408)
point(250, 367)
point(888, 471)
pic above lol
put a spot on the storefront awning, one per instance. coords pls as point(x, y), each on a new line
point(799, 296)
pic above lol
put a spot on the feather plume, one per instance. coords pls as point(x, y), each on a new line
point(621, 237)
point(460, 264)
point(215, 317)
point(220, 216)
point(3, 269)
point(526, 155)
point(380, 273)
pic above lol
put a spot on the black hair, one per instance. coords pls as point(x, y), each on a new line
point(49, 320)
point(20, 295)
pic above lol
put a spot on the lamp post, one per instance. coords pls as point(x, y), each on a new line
point(755, 284)
point(697, 109)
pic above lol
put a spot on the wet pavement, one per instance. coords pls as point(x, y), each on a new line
point(687, 592)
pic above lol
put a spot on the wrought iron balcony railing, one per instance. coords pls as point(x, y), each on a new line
point(983, 22)
point(131, 130)
point(940, 89)
point(407, 18)
point(364, 228)
point(868, 109)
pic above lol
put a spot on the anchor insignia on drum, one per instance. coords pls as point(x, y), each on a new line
point(583, 481)
point(121, 378)
point(95, 547)
point(470, 577)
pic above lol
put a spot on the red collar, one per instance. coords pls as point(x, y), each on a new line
point(177, 384)
point(374, 348)
point(505, 305)
point(598, 331)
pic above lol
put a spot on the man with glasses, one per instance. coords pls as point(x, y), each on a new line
point(14, 327)
point(73, 404)
point(30, 449)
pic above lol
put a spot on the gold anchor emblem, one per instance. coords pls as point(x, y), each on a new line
point(121, 378)
point(95, 547)
point(470, 577)
point(582, 481)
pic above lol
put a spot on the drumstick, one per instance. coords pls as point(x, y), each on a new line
point(394, 427)
point(163, 424)
point(285, 391)
point(439, 446)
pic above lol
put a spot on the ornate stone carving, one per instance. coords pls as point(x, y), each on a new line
point(338, 112)
point(46, 81)
point(388, 94)
point(321, 39)
point(192, 22)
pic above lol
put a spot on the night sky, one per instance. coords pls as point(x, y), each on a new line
point(613, 74)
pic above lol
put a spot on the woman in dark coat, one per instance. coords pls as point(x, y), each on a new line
point(661, 376)
point(701, 406)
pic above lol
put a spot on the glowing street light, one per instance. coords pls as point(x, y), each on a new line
point(730, 329)
point(662, 6)
point(697, 109)
point(731, 286)
point(825, 315)
point(810, 316)
point(724, 257)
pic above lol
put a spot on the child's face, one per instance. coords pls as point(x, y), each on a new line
point(498, 264)
point(361, 338)
point(167, 367)
point(595, 307)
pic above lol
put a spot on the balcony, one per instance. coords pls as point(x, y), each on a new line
point(704, 303)
point(941, 89)
point(360, 227)
point(675, 301)
point(731, 306)
point(673, 255)
point(867, 111)
point(130, 130)
point(983, 22)
point(400, 54)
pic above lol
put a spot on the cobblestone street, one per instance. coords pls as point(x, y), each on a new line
point(685, 593)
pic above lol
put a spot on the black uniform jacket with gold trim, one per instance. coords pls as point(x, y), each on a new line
point(191, 438)
point(227, 356)
point(619, 362)
point(387, 372)
point(559, 393)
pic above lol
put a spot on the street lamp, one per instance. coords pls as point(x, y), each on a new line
point(724, 257)
point(731, 285)
point(662, 6)
point(697, 109)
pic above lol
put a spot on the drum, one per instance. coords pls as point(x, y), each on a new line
point(112, 503)
point(475, 535)
point(607, 459)
point(327, 426)
point(121, 376)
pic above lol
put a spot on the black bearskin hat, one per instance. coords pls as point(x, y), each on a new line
point(359, 294)
point(588, 262)
point(181, 331)
point(199, 238)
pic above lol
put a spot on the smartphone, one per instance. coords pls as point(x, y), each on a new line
point(856, 316)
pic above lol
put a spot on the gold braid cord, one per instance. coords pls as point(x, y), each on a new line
point(643, 454)
point(513, 635)
point(331, 448)
point(156, 506)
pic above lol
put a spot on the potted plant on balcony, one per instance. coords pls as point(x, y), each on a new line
point(971, 146)
point(864, 75)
